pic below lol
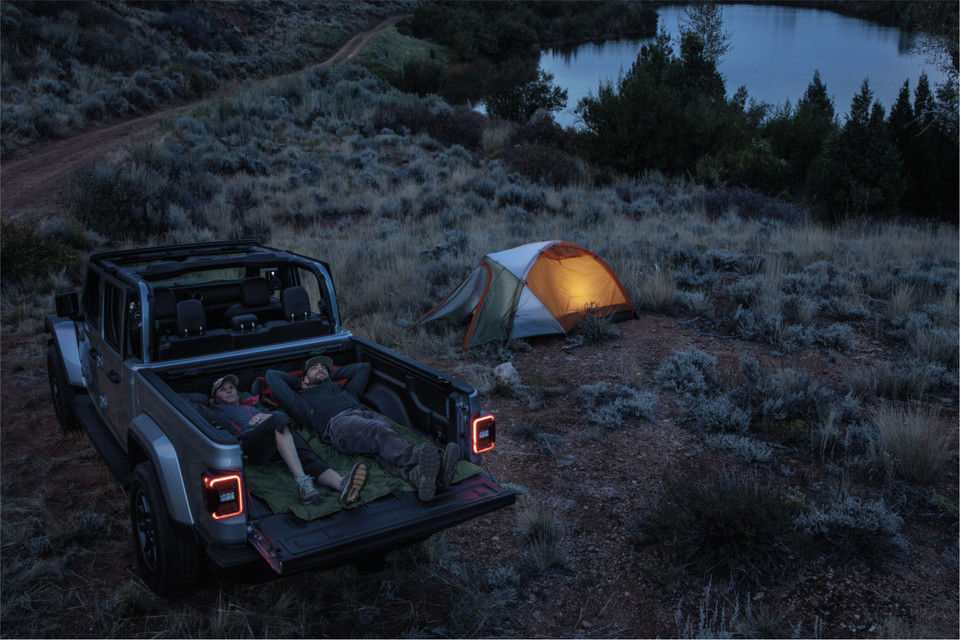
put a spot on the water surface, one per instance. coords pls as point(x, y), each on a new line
point(774, 52)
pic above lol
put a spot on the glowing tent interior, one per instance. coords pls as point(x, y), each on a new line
point(534, 289)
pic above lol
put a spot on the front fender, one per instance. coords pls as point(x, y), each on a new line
point(162, 454)
point(64, 334)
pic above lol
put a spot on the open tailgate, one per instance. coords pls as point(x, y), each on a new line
point(290, 544)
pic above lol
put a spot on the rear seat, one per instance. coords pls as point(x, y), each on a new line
point(299, 321)
point(192, 337)
point(254, 299)
point(164, 311)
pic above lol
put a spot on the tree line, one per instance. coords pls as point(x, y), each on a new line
point(670, 113)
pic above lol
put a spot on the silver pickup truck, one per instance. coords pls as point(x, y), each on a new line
point(151, 325)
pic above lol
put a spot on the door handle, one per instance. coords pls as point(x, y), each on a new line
point(113, 376)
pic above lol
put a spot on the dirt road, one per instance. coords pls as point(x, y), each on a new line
point(30, 185)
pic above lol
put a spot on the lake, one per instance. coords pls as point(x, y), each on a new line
point(773, 51)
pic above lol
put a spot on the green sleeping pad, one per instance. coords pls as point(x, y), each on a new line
point(273, 482)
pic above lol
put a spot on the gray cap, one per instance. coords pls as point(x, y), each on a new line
point(324, 360)
point(232, 379)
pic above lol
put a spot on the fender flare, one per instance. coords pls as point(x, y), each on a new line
point(161, 452)
point(63, 332)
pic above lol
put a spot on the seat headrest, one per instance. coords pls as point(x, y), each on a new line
point(164, 303)
point(254, 292)
point(191, 318)
point(296, 303)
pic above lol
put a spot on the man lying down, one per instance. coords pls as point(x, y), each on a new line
point(318, 402)
point(264, 435)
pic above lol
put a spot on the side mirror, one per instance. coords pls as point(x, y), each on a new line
point(68, 305)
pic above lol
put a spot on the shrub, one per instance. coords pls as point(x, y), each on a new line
point(120, 201)
point(910, 446)
point(420, 76)
point(747, 449)
point(789, 394)
point(788, 403)
point(937, 345)
point(541, 532)
point(716, 415)
point(610, 405)
point(835, 336)
point(750, 204)
point(772, 329)
point(745, 291)
point(27, 256)
point(852, 527)
point(909, 379)
point(691, 371)
point(724, 525)
point(593, 329)
point(545, 164)
point(656, 291)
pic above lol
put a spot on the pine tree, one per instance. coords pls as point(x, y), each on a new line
point(859, 173)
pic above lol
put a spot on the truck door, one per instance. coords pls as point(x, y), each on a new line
point(115, 395)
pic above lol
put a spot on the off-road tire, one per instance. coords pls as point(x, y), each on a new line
point(167, 553)
point(61, 393)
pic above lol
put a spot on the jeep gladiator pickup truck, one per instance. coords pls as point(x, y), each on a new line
point(151, 325)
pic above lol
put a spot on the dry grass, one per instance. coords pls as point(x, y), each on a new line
point(495, 138)
point(910, 444)
point(656, 291)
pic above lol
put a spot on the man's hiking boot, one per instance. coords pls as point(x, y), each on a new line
point(424, 475)
point(352, 483)
point(309, 494)
point(451, 455)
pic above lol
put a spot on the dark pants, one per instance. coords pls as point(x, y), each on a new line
point(259, 444)
point(363, 432)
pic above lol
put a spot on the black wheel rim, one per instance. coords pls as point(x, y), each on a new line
point(145, 530)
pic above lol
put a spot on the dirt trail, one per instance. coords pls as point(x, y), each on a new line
point(29, 185)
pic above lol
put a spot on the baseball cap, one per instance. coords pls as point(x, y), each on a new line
point(324, 360)
point(232, 379)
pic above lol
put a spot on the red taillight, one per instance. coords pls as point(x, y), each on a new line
point(223, 492)
point(484, 433)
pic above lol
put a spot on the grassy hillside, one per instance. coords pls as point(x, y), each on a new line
point(69, 65)
point(832, 445)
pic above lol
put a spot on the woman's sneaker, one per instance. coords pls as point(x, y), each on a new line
point(448, 464)
point(424, 475)
point(309, 494)
point(352, 483)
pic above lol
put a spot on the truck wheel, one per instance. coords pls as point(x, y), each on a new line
point(60, 390)
point(167, 553)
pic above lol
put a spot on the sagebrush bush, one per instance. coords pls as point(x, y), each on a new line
point(610, 405)
point(772, 329)
point(782, 396)
point(716, 414)
point(747, 449)
point(746, 290)
point(724, 525)
point(853, 528)
point(691, 371)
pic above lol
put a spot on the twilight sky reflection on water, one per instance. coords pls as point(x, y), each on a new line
point(774, 51)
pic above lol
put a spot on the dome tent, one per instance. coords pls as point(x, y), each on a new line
point(534, 289)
